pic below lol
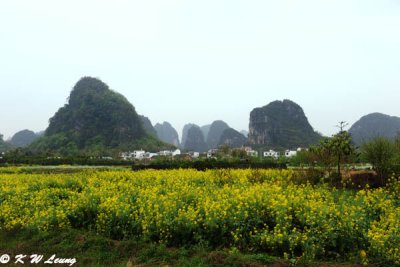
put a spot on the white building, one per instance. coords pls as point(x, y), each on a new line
point(176, 152)
point(137, 154)
point(141, 154)
point(250, 152)
point(271, 153)
point(212, 153)
point(165, 153)
point(169, 153)
point(290, 153)
point(149, 155)
point(125, 155)
point(194, 154)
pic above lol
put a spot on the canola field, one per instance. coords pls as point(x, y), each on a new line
point(264, 211)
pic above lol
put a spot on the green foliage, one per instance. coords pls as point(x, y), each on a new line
point(90, 249)
point(374, 125)
point(381, 153)
point(147, 125)
point(331, 153)
point(281, 125)
point(239, 153)
point(342, 148)
point(334, 152)
point(205, 163)
point(95, 121)
point(3, 145)
point(23, 138)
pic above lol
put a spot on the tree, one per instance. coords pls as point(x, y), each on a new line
point(4, 146)
point(380, 153)
point(323, 155)
point(336, 150)
point(342, 147)
point(224, 150)
point(239, 153)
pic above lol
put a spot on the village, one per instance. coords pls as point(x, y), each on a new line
point(212, 153)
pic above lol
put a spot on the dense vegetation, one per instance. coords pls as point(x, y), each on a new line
point(3, 145)
point(17, 158)
point(375, 125)
point(268, 212)
point(281, 124)
point(95, 121)
point(23, 138)
point(148, 126)
point(332, 154)
point(203, 164)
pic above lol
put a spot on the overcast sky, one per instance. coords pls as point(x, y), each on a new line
point(198, 61)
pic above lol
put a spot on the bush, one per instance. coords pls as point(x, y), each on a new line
point(380, 152)
point(205, 164)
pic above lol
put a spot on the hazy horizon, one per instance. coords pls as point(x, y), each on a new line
point(196, 62)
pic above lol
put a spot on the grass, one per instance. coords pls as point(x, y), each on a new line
point(90, 249)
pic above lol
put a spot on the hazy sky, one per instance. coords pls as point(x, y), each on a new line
point(198, 61)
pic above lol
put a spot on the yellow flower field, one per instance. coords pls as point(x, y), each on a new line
point(254, 210)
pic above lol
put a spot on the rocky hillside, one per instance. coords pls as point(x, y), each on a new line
point(373, 125)
point(205, 129)
point(195, 140)
point(185, 132)
point(147, 125)
point(281, 124)
point(167, 133)
point(232, 138)
point(23, 138)
point(215, 132)
point(245, 133)
point(94, 121)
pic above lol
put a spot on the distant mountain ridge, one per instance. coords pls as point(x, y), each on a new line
point(195, 140)
point(245, 133)
point(374, 125)
point(167, 133)
point(147, 125)
point(23, 138)
point(215, 132)
point(281, 124)
point(232, 138)
point(185, 130)
point(209, 136)
point(205, 129)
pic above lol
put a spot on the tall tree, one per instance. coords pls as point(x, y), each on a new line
point(336, 150)
point(342, 147)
